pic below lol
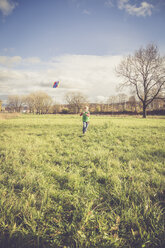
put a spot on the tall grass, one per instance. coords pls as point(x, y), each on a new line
point(59, 188)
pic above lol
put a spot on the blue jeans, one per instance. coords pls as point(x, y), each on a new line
point(85, 126)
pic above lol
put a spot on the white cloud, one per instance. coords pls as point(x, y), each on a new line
point(33, 60)
point(7, 6)
point(101, 99)
point(17, 61)
point(144, 8)
point(9, 75)
point(92, 75)
point(10, 61)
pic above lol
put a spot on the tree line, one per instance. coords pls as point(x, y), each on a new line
point(41, 103)
point(36, 102)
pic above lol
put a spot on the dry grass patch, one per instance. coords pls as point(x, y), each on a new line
point(4, 116)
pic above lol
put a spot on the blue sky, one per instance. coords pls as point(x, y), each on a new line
point(78, 42)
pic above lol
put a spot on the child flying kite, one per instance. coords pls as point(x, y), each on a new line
point(85, 118)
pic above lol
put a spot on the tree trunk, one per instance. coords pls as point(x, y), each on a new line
point(144, 110)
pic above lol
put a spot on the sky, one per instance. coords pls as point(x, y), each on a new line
point(76, 42)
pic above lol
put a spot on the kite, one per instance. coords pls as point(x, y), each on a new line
point(56, 84)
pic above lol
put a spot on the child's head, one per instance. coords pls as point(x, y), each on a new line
point(86, 108)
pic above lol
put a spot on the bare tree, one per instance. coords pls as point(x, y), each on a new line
point(133, 103)
point(56, 108)
point(42, 102)
point(47, 103)
point(144, 73)
point(15, 103)
point(39, 102)
point(75, 100)
point(122, 98)
point(111, 101)
point(29, 101)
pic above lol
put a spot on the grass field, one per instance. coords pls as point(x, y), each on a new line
point(59, 188)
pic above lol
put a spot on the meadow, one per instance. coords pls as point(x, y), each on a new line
point(61, 189)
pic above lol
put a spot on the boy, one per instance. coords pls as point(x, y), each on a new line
point(85, 118)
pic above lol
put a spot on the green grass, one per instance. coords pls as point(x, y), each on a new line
point(59, 188)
